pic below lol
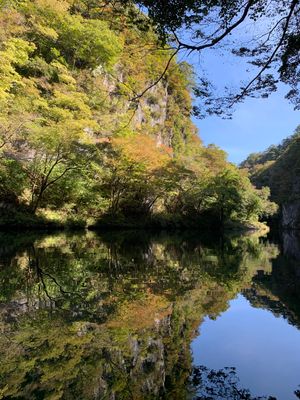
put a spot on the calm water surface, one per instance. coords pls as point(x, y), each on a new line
point(264, 349)
point(139, 316)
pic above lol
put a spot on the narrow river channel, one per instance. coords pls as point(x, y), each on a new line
point(134, 315)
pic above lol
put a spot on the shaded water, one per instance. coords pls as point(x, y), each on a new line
point(134, 316)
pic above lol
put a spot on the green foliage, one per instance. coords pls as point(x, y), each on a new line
point(278, 167)
point(12, 181)
point(235, 198)
point(72, 140)
point(15, 53)
point(79, 41)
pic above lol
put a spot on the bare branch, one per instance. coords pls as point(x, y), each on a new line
point(272, 56)
point(60, 176)
point(136, 98)
point(218, 39)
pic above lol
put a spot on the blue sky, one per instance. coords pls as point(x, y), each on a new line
point(256, 123)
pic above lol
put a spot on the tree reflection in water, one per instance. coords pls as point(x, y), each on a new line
point(112, 317)
point(220, 384)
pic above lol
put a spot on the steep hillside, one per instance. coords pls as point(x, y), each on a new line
point(73, 60)
point(91, 126)
point(279, 168)
point(255, 160)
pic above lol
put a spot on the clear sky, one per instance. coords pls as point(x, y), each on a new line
point(256, 123)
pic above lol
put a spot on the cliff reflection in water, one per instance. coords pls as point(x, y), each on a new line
point(112, 317)
point(279, 292)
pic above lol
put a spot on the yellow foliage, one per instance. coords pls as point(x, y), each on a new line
point(142, 149)
point(141, 314)
point(11, 23)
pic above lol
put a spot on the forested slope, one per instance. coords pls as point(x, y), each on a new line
point(279, 168)
point(90, 130)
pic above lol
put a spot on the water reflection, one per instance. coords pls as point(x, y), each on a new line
point(263, 348)
point(279, 292)
point(220, 384)
point(112, 317)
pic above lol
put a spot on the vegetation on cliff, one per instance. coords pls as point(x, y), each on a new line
point(278, 167)
point(76, 139)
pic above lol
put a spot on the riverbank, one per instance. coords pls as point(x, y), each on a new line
point(46, 220)
point(14, 220)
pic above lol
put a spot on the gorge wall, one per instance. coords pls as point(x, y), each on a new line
point(279, 168)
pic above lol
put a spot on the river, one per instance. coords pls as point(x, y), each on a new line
point(134, 315)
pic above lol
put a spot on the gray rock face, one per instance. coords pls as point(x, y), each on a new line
point(291, 246)
point(291, 215)
point(153, 112)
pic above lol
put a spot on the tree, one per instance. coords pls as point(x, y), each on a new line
point(96, 116)
point(233, 197)
point(196, 25)
point(132, 175)
point(79, 41)
point(220, 384)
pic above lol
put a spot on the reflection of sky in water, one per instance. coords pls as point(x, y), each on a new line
point(264, 349)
